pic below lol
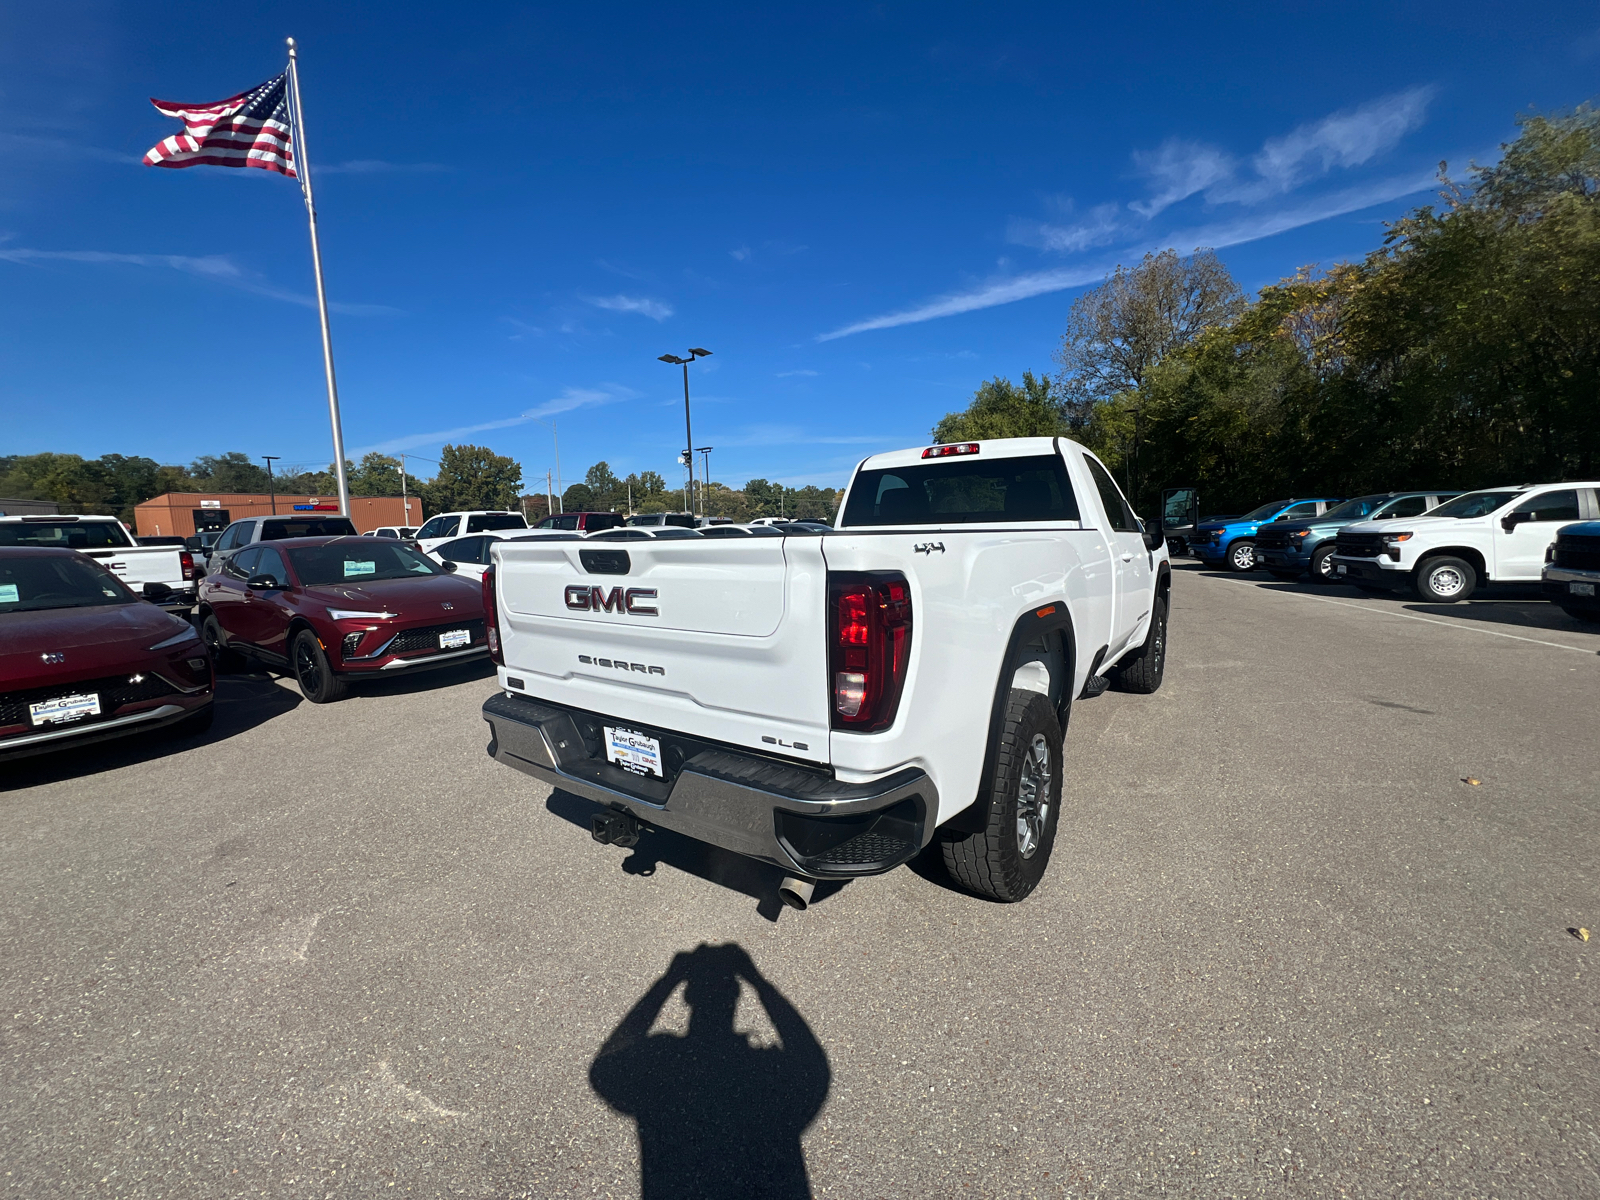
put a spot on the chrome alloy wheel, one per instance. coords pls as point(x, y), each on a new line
point(1243, 557)
point(1033, 796)
point(1446, 581)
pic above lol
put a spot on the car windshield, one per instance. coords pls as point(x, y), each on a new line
point(273, 531)
point(66, 535)
point(1474, 504)
point(1270, 509)
point(28, 584)
point(335, 562)
point(1033, 488)
point(1354, 510)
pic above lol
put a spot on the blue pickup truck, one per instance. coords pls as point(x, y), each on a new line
point(1232, 543)
point(1289, 549)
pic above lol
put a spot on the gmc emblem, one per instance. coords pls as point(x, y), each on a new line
point(585, 598)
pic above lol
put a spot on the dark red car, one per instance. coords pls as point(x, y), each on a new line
point(331, 609)
point(82, 658)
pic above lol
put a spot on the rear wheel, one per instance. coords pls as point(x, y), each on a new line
point(318, 681)
point(1322, 564)
point(1242, 555)
point(1141, 672)
point(1019, 805)
point(1445, 580)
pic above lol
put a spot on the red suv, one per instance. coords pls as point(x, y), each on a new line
point(582, 522)
point(331, 609)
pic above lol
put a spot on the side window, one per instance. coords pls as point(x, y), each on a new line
point(1308, 509)
point(269, 562)
point(436, 528)
point(566, 521)
point(1122, 519)
point(1551, 506)
point(462, 550)
point(243, 564)
point(230, 538)
point(1406, 506)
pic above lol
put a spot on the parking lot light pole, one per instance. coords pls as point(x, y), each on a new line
point(688, 433)
point(705, 476)
point(272, 494)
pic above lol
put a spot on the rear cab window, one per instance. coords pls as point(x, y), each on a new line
point(63, 535)
point(295, 527)
point(484, 522)
point(963, 491)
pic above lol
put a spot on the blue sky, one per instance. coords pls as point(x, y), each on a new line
point(863, 211)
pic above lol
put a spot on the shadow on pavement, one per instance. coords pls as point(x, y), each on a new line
point(719, 1116)
point(243, 702)
point(723, 867)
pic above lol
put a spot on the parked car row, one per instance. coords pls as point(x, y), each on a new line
point(1443, 545)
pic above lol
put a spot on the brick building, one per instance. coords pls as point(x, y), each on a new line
point(183, 514)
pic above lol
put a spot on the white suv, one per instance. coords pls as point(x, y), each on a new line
point(1494, 535)
point(438, 530)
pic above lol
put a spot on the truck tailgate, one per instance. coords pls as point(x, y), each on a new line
point(722, 639)
point(139, 565)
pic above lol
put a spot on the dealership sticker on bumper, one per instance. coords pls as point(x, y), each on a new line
point(64, 708)
point(451, 638)
point(633, 752)
point(1582, 589)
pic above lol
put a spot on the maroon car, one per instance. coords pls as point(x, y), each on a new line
point(83, 658)
point(331, 609)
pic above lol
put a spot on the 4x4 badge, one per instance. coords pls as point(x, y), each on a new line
point(928, 547)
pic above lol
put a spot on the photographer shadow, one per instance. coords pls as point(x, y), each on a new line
point(719, 1116)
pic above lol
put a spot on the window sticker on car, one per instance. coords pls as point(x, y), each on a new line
point(359, 568)
point(9, 593)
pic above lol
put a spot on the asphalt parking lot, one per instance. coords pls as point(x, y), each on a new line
point(1284, 949)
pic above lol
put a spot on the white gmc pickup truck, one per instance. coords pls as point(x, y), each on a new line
point(164, 575)
point(831, 703)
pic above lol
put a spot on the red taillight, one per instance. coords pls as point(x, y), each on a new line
point(948, 451)
point(491, 618)
point(869, 621)
point(186, 561)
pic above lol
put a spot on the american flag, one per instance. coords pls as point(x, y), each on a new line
point(248, 130)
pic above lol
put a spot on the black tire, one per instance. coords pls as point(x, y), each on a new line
point(1006, 859)
point(1321, 570)
point(319, 682)
point(211, 633)
point(197, 722)
point(1444, 580)
point(1241, 556)
point(1141, 672)
point(1589, 616)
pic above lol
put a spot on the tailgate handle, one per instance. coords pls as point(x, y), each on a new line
point(605, 562)
point(99, 553)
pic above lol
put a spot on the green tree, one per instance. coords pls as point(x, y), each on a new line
point(377, 475)
point(605, 489)
point(230, 472)
point(472, 477)
point(1001, 409)
point(577, 498)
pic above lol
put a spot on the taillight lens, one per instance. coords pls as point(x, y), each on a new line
point(186, 560)
point(491, 618)
point(869, 628)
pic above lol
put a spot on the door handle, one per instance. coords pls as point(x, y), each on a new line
point(1127, 558)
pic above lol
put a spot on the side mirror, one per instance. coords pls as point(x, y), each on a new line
point(448, 567)
point(156, 593)
point(1511, 520)
point(1154, 538)
point(262, 583)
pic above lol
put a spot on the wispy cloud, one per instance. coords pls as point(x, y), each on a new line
point(1178, 170)
point(739, 255)
point(378, 166)
point(792, 435)
point(570, 399)
point(218, 268)
point(791, 374)
point(656, 310)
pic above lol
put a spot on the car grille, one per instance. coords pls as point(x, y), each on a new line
point(114, 692)
point(1360, 545)
point(1205, 537)
point(426, 639)
point(1273, 539)
point(1579, 552)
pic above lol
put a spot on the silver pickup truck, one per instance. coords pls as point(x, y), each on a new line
point(163, 574)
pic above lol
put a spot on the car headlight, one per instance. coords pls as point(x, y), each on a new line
point(1394, 539)
point(176, 639)
point(353, 614)
point(1299, 533)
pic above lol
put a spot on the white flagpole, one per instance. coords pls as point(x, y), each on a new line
point(302, 168)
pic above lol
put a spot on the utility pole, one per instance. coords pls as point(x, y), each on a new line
point(688, 433)
point(549, 498)
point(272, 492)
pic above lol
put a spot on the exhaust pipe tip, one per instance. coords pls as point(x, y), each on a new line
point(796, 893)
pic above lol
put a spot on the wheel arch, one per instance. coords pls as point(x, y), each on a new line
point(1468, 554)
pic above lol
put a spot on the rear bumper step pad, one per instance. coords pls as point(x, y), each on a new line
point(799, 820)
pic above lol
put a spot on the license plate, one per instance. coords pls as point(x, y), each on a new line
point(451, 638)
point(1340, 569)
point(64, 708)
point(633, 751)
point(1582, 589)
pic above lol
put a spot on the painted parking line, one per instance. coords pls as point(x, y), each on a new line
point(1383, 612)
